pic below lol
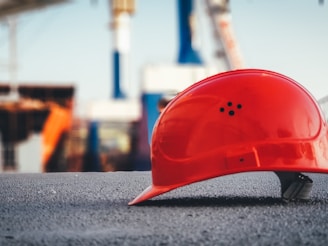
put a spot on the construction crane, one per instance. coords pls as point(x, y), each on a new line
point(227, 47)
point(121, 12)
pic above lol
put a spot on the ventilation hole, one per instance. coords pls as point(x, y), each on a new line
point(241, 159)
point(229, 104)
point(221, 109)
point(231, 112)
point(239, 106)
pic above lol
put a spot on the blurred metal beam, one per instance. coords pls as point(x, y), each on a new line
point(12, 7)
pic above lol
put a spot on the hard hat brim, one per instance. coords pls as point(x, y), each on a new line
point(150, 192)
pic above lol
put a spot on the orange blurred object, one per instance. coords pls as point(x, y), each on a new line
point(58, 122)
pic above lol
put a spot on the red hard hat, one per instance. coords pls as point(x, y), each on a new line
point(236, 121)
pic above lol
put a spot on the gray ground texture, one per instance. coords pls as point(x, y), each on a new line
point(91, 209)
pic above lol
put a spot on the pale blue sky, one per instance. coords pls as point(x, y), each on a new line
point(72, 43)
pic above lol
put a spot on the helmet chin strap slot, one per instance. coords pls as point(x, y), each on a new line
point(242, 158)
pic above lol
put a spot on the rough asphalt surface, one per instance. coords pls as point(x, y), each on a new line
point(91, 209)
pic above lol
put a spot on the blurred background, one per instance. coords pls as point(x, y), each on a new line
point(80, 81)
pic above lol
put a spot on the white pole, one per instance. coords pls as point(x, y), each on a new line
point(12, 23)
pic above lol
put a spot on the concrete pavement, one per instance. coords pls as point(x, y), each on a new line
point(91, 209)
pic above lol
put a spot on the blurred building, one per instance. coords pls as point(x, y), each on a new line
point(32, 126)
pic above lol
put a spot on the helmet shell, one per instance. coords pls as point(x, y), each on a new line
point(237, 121)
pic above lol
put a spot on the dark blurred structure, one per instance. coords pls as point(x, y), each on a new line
point(4, 89)
point(33, 113)
point(61, 94)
